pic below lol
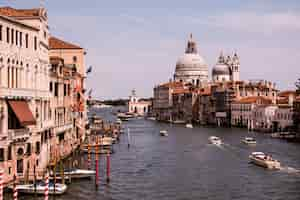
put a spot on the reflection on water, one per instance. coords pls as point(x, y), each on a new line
point(184, 166)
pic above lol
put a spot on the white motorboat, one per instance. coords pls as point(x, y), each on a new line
point(40, 188)
point(163, 133)
point(79, 173)
point(215, 140)
point(249, 141)
point(151, 118)
point(263, 160)
point(179, 122)
point(119, 121)
point(189, 125)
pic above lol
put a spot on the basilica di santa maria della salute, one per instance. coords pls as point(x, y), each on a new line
point(192, 68)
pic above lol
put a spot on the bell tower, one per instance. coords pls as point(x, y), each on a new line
point(235, 68)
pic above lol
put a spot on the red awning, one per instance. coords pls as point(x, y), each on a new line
point(22, 111)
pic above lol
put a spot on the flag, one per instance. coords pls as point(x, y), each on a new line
point(89, 70)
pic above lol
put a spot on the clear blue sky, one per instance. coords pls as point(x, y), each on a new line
point(135, 43)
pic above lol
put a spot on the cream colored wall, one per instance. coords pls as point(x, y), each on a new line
point(68, 54)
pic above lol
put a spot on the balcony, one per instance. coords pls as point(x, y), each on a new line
point(63, 128)
point(18, 135)
point(23, 93)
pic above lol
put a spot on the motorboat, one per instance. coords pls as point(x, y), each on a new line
point(189, 125)
point(103, 141)
point(79, 173)
point(151, 118)
point(179, 122)
point(215, 140)
point(119, 121)
point(125, 116)
point(163, 133)
point(39, 188)
point(263, 160)
point(99, 151)
point(249, 141)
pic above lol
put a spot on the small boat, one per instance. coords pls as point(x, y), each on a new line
point(179, 122)
point(79, 173)
point(119, 121)
point(263, 160)
point(151, 118)
point(100, 151)
point(40, 188)
point(215, 140)
point(249, 140)
point(189, 125)
point(163, 133)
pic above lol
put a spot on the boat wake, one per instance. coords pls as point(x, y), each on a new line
point(290, 170)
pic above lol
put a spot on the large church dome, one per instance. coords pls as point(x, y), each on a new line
point(191, 67)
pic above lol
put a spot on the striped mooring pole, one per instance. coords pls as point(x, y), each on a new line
point(47, 186)
point(1, 184)
point(15, 191)
point(89, 156)
point(107, 168)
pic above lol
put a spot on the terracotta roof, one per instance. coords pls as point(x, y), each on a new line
point(172, 84)
point(254, 99)
point(282, 100)
point(287, 93)
point(55, 43)
point(181, 91)
point(11, 12)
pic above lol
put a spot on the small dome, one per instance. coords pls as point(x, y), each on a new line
point(221, 69)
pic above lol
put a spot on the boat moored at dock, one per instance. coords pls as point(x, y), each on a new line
point(163, 133)
point(40, 187)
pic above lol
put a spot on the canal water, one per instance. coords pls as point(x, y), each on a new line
point(184, 166)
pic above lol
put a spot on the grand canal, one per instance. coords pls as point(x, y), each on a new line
point(185, 166)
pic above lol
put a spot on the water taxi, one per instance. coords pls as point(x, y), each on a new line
point(263, 160)
point(189, 125)
point(249, 141)
point(215, 140)
point(163, 133)
point(40, 187)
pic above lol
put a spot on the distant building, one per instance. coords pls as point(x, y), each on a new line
point(138, 106)
point(263, 117)
point(191, 67)
point(242, 110)
point(226, 69)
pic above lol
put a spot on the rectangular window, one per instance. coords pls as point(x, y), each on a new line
point(38, 148)
point(7, 35)
point(65, 89)
point(12, 36)
point(26, 40)
point(56, 89)
point(0, 32)
point(1, 154)
point(50, 86)
point(28, 149)
point(9, 153)
point(21, 38)
point(35, 43)
point(17, 39)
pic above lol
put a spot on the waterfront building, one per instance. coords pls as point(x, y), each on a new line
point(206, 107)
point(73, 57)
point(62, 86)
point(162, 101)
point(296, 111)
point(263, 117)
point(191, 67)
point(242, 110)
point(25, 122)
point(138, 106)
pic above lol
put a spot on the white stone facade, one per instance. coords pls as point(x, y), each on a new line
point(24, 68)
